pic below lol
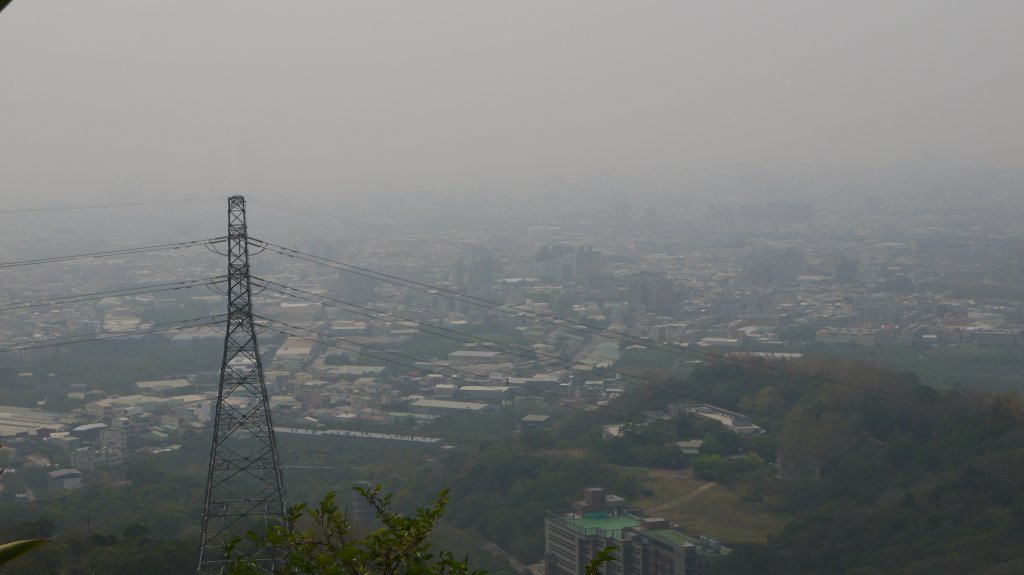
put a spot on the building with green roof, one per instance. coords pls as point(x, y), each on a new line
point(644, 545)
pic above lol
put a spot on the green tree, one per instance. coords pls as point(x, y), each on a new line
point(319, 541)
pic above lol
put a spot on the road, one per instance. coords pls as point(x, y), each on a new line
point(679, 500)
point(516, 564)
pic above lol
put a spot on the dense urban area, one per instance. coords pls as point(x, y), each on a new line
point(712, 389)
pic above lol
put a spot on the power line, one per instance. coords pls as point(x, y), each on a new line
point(398, 232)
point(599, 410)
point(334, 218)
point(361, 346)
point(294, 292)
point(110, 253)
point(444, 332)
point(549, 318)
point(105, 206)
point(123, 292)
point(722, 359)
point(388, 230)
point(455, 335)
point(96, 336)
point(643, 382)
point(464, 375)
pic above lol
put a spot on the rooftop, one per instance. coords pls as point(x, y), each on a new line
point(441, 404)
point(535, 418)
point(595, 523)
point(679, 538)
point(478, 354)
point(162, 385)
point(15, 420)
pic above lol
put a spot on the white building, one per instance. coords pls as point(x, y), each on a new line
point(88, 458)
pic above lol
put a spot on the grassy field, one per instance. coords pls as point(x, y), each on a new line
point(703, 506)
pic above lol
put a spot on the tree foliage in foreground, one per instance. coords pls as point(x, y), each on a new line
point(320, 541)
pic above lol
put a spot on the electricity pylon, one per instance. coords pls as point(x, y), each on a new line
point(244, 488)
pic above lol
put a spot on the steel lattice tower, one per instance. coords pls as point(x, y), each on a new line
point(244, 488)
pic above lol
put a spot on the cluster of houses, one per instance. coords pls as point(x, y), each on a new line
point(104, 431)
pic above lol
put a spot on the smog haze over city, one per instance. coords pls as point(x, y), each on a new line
point(515, 99)
point(715, 287)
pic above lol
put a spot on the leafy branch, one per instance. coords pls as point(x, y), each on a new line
point(319, 541)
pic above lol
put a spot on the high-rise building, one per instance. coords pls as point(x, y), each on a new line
point(845, 270)
point(876, 311)
point(458, 275)
point(644, 545)
point(776, 267)
point(481, 271)
point(357, 288)
point(621, 213)
point(650, 293)
point(588, 262)
point(474, 269)
point(651, 218)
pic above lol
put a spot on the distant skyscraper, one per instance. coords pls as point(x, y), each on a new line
point(588, 262)
point(876, 311)
point(358, 289)
point(846, 270)
point(474, 268)
point(621, 214)
point(651, 218)
point(650, 293)
point(480, 271)
point(776, 267)
point(458, 277)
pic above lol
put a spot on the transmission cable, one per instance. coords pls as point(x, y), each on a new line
point(333, 218)
point(469, 377)
point(456, 373)
point(392, 231)
point(105, 206)
point(110, 253)
point(123, 292)
point(722, 359)
point(463, 337)
point(96, 336)
point(845, 429)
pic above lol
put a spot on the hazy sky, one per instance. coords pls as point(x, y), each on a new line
point(212, 97)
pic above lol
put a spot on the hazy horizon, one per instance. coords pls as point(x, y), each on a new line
point(146, 99)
